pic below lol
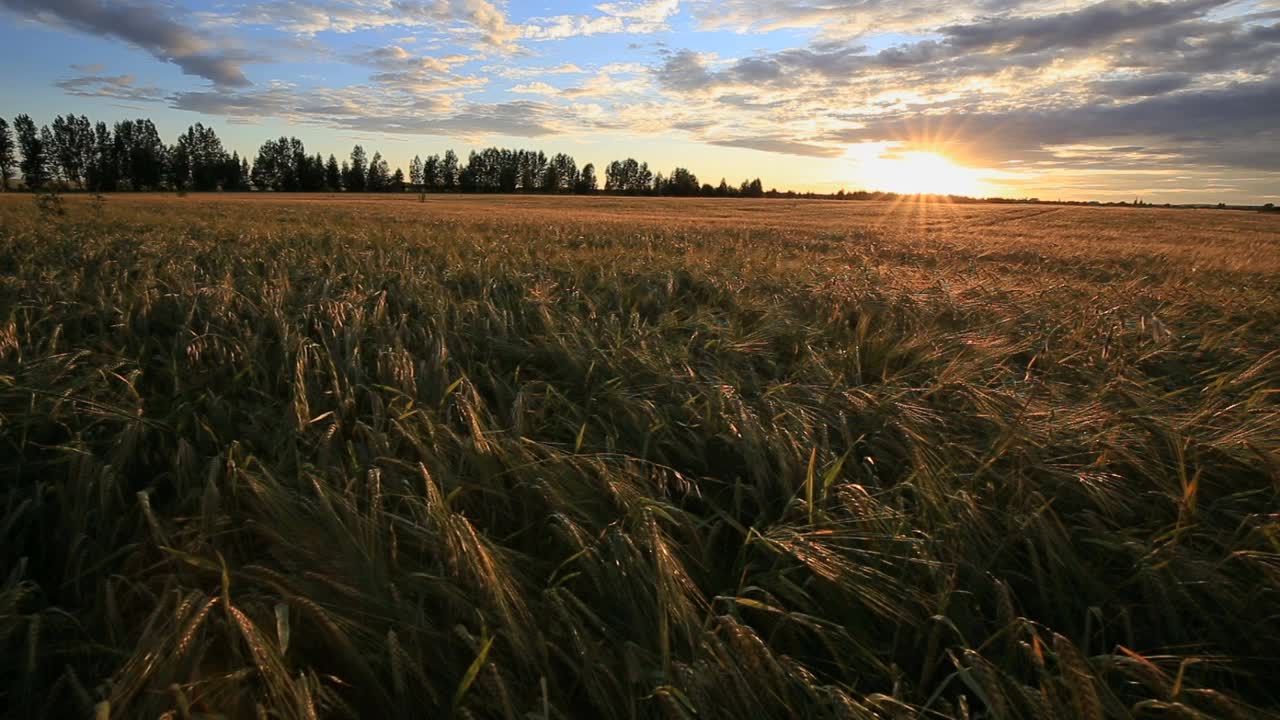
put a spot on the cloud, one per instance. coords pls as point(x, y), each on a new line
point(374, 109)
point(781, 145)
point(1145, 85)
point(1082, 28)
point(636, 18)
point(1232, 125)
point(120, 87)
point(407, 72)
point(148, 27)
point(308, 17)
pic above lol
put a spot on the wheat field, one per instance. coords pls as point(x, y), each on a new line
point(512, 457)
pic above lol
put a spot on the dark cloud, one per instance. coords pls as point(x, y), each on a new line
point(120, 87)
point(146, 26)
point(364, 110)
point(1087, 27)
point(781, 145)
point(1129, 35)
point(684, 71)
point(1145, 85)
point(1233, 125)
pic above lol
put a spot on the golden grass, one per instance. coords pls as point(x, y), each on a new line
point(325, 456)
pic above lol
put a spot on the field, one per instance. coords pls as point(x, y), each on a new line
point(313, 457)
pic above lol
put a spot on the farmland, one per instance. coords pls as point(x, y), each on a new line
point(515, 457)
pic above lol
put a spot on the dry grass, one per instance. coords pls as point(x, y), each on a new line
point(597, 457)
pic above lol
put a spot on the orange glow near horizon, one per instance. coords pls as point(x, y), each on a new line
point(920, 172)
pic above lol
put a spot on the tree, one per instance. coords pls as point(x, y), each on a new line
point(332, 175)
point(178, 167)
point(378, 177)
point(562, 174)
point(6, 155)
point(140, 153)
point(355, 180)
point(431, 173)
point(682, 183)
point(234, 175)
point(587, 180)
point(397, 181)
point(206, 160)
point(71, 147)
point(103, 173)
point(629, 177)
point(34, 163)
point(415, 171)
point(449, 170)
point(273, 167)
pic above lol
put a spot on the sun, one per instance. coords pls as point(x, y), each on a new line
point(921, 172)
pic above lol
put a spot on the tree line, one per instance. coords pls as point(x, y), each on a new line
point(74, 153)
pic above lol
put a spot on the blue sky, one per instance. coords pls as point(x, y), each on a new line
point(1170, 101)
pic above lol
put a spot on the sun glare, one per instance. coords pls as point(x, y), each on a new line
point(920, 172)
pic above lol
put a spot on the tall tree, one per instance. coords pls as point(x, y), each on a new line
point(7, 159)
point(587, 180)
point(140, 152)
point(72, 147)
point(206, 159)
point(234, 175)
point(178, 166)
point(431, 173)
point(332, 175)
point(682, 183)
point(415, 171)
point(272, 168)
point(449, 170)
point(34, 163)
point(378, 176)
point(359, 168)
point(563, 173)
point(103, 174)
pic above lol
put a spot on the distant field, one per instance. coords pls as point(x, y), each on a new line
point(529, 457)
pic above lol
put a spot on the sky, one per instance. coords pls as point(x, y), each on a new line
point(1058, 99)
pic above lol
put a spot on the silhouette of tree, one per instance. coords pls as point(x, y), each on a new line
point(273, 167)
point(206, 162)
point(234, 176)
point(378, 177)
point(131, 156)
point(449, 171)
point(72, 147)
point(415, 171)
point(682, 183)
point(139, 153)
point(103, 173)
point(355, 180)
point(7, 158)
point(34, 163)
point(587, 180)
point(431, 173)
point(177, 169)
point(332, 175)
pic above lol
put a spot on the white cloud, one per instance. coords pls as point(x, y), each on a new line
point(640, 17)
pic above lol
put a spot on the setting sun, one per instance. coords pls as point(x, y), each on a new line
point(920, 172)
